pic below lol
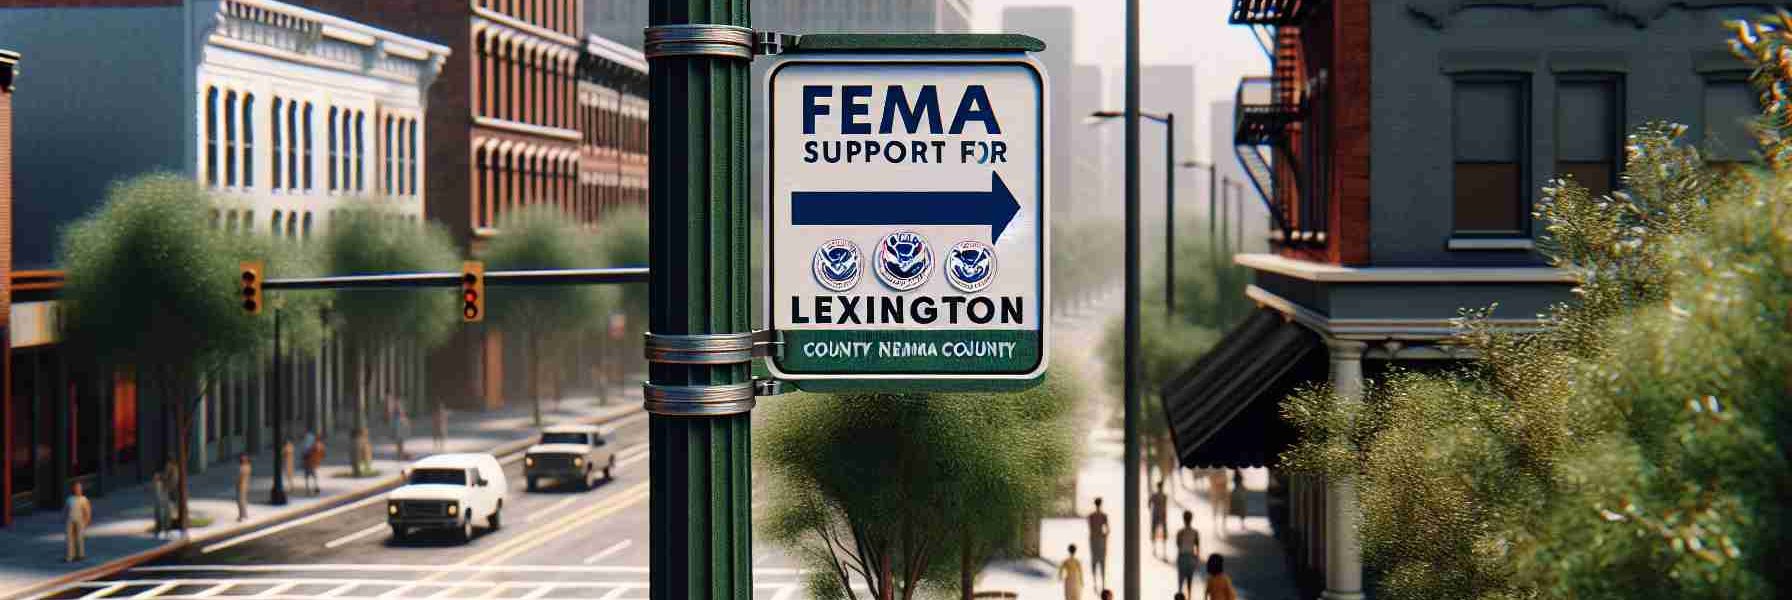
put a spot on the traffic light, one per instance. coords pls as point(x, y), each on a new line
point(251, 286)
point(472, 291)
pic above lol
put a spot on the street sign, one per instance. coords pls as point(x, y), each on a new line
point(906, 224)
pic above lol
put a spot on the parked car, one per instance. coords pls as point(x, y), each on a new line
point(569, 454)
point(448, 491)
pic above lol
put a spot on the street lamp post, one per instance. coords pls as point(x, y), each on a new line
point(277, 497)
point(1168, 119)
point(1130, 580)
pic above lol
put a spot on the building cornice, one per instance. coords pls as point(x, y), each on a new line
point(527, 129)
point(615, 52)
point(525, 27)
point(1370, 330)
point(1330, 273)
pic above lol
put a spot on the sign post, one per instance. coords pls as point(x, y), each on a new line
point(906, 233)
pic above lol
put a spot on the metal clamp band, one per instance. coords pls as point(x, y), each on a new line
point(704, 349)
point(699, 40)
point(698, 400)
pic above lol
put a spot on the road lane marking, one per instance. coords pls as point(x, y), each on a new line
point(155, 591)
point(550, 509)
point(541, 590)
point(105, 591)
point(339, 590)
point(398, 592)
point(276, 591)
point(617, 504)
point(350, 538)
point(614, 548)
point(614, 594)
point(289, 525)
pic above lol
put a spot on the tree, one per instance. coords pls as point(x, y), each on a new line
point(152, 288)
point(890, 487)
point(622, 242)
point(1637, 447)
point(546, 318)
point(366, 240)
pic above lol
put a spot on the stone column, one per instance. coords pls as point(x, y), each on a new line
point(1343, 555)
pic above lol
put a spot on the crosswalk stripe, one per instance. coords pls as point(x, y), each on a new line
point(105, 591)
point(350, 538)
point(275, 591)
point(614, 548)
point(214, 590)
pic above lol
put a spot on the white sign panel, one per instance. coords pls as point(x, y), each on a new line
point(907, 216)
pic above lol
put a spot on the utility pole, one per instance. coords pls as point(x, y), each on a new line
point(1170, 213)
point(1130, 585)
point(700, 391)
point(277, 497)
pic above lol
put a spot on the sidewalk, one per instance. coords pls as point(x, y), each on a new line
point(31, 550)
point(1254, 558)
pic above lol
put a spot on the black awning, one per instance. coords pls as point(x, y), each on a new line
point(1224, 411)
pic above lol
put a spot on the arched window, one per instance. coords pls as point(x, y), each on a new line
point(306, 232)
point(249, 140)
point(306, 158)
point(360, 151)
point(387, 151)
point(334, 152)
point(292, 146)
point(230, 139)
point(274, 224)
point(411, 166)
point(276, 151)
point(211, 136)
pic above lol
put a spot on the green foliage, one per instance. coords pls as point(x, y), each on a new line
point(153, 288)
point(901, 491)
point(538, 238)
point(1166, 347)
point(364, 240)
point(1637, 446)
point(622, 241)
point(1086, 255)
point(302, 328)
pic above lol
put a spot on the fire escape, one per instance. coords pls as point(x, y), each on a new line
point(1267, 111)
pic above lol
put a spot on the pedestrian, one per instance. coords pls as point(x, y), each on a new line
point(1219, 584)
point(77, 514)
point(1237, 505)
point(1216, 497)
point(401, 429)
point(1160, 524)
point(314, 458)
point(242, 486)
point(286, 461)
point(158, 498)
point(1188, 553)
point(306, 442)
point(441, 426)
point(1071, 572)
point(1098, 547)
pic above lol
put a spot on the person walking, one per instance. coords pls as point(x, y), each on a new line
point(401, 429)
point(1188, 553)
point(286, 461)
point(441, 426)
point(309, 439)
point(77, 514)
point(1160, 524)
point(1217, 499)
point(1237, 506)
point(314, 458)
point(158, 499)
point(1098, 547)
point(1071, 573)
point(1219, 584)
point(242, 486)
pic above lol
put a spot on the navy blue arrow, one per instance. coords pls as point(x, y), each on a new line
point(995, 208)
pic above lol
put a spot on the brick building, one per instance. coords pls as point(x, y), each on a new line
point(9, 72)
point(1400, 147)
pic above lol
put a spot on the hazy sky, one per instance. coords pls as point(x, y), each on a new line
point(1171, 31)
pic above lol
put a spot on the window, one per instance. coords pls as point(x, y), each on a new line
point(438, 477)
point(360, 152)
point(276, 151)
point(230, 141)
point(1588, 122)
point(306, 158)
point(305, 228)
point(387, 151)
point(1729, 105)
point(249, 140)
point(274, 225)
point(333, 151)
point(292, 146)
point(211, 137)
point(411, 169)
point(1489, 112)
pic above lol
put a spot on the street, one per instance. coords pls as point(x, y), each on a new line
point(554, 543)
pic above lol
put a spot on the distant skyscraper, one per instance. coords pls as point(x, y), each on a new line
point(1054, 25)
point(1091, 148)
point(1162, 88)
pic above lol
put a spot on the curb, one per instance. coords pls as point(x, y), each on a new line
point(382, 486)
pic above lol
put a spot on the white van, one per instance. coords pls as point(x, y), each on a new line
point(448, 491)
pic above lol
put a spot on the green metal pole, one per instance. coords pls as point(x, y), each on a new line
point(699, 464)
point(1133, 412)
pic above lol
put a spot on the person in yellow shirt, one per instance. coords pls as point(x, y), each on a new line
point(1219, 584)
point(1071, 571)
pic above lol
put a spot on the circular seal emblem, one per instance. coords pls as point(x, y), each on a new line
point(837, 265)
point(971, 266)
point(904, 260)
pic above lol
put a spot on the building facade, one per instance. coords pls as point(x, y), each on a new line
point(9, 73)
point(1400, 148)
point(287, 115)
